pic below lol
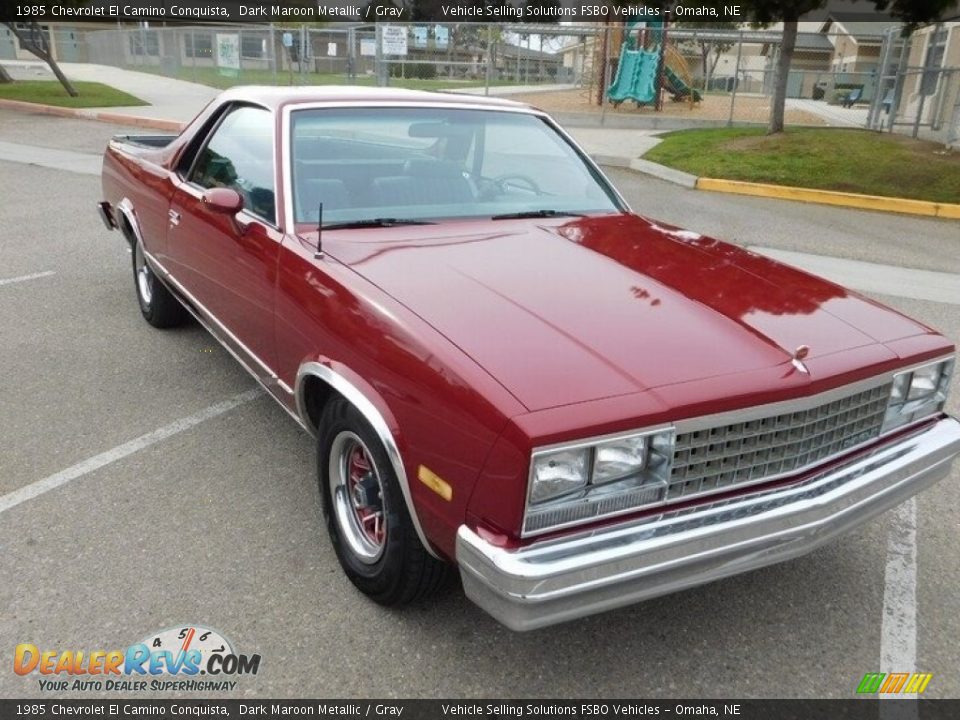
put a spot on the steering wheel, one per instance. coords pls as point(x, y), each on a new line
point(501, 181)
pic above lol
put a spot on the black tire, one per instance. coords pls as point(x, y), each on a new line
point(400, 570)
point(157, 304)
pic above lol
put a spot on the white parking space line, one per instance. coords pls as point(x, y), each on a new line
point(39, 487)
point(24, 278)
point(873, 277)
point(898, 631)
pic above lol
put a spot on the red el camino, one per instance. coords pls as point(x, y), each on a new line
point(507, 369)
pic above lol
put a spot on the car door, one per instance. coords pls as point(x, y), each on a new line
point(228, 262)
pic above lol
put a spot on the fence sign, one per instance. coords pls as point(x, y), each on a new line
point(288, 39)
point(394, 40)
point(442, 35)
point(419, 36)
point(331, 49)
point(368, 47)
point(228, 54)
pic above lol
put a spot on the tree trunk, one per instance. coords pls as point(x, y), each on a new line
point(4, 75)
point(43, 53)
point(780, 81)
point(67, 85)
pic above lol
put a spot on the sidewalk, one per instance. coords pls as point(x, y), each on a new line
point(169, 99)
point(834, 115)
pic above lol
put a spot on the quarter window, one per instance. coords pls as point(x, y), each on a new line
point(239, 155)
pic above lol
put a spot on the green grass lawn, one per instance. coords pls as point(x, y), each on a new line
point(51, 92)
point(212, 77)
point(856, 161)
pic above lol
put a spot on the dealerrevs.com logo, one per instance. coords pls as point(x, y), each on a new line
point(184, 658)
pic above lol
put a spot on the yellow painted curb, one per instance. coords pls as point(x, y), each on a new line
point(830, 197)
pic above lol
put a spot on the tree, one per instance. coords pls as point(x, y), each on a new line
point(33, 39)
point(911, 12)
point(710, 50)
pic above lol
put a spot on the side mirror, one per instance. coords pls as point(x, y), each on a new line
point(223, 200)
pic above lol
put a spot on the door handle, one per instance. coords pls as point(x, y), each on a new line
point(174, 217)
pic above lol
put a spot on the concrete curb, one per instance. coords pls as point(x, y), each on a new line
point(677, 177)
point(90, 114)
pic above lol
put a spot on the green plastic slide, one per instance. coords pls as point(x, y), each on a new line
point(636, 76)
point(677, 87)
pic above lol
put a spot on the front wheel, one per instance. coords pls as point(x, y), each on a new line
point(157, 304)
point(367, 518)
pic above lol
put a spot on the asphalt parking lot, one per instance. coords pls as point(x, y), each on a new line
point(219, 523)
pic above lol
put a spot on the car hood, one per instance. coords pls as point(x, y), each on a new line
point(572, 310)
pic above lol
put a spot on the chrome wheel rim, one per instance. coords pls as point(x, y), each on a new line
point(143, 275)
point(357, 491)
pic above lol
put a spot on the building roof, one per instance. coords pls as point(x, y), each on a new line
point(813, 42)
point(511, 50)
point(807, 42)
point(859, 25)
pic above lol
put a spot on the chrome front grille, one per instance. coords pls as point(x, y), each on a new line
point(724, 456)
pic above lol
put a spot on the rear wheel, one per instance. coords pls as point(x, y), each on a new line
point(158, 305)
point(366, 515)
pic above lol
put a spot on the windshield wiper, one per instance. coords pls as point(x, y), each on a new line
point(537, 214)
point(375, 222)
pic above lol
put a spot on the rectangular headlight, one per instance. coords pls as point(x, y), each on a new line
point(618, 458)
point(559, 473)
point(924, 381)
point(917, 394)
point(592, 479)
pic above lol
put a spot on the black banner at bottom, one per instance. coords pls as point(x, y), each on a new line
point(853, 709)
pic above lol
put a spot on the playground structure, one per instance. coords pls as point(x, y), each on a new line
point(646, 64)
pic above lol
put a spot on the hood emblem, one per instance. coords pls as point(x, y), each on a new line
point(798, 355)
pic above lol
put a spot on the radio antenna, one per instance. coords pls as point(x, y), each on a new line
point(319, 254)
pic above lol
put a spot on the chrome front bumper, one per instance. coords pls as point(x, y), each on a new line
point(553, 581)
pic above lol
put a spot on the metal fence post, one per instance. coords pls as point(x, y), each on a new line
point(604, 74)
point(899, 82)
point(193, 53)
point(486, 79)
point(378, 64)
point(303, 50)
point(736, 80)
point(273, 54)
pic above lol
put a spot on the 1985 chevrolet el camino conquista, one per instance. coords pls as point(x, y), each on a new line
point(508, 370)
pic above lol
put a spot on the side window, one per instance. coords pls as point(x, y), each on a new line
point(239, 155)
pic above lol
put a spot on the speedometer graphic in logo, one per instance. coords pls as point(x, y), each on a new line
point(186, 638)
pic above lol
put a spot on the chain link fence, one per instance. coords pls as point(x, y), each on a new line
point(437, 56)
point(880, 81)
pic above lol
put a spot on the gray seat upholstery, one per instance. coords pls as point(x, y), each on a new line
point(312, 191)
point(423, 182)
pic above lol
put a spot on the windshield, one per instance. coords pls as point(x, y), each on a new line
point(389, 165)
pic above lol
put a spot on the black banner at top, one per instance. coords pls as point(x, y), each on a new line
point(369, 11)
point(586, 709)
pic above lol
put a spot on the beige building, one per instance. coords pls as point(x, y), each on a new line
point(930, 89)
